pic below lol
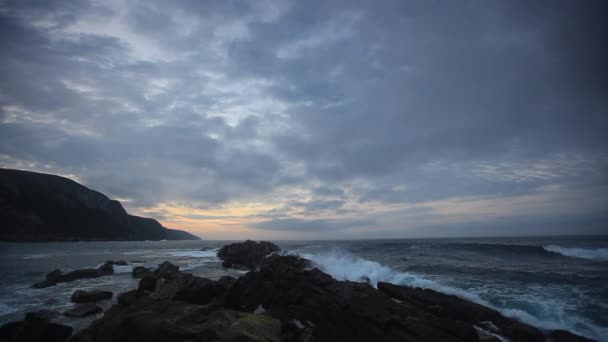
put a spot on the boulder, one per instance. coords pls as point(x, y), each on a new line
point(83, 310)
point(166, 270)
point(140, 272)
point(56, 276)
point(106, 269)
point(50, 279)
point(80, 296)
point(35, 327)
point(79, 274)
point(248, 254)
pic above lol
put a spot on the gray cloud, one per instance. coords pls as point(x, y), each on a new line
point(327, 108)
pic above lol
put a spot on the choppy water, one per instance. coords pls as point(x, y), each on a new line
point(559, 282)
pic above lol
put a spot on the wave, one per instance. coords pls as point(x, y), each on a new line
point(43, 256)
point(194, 253)
point(345, 266)
point(6, 309)
point(582, 253)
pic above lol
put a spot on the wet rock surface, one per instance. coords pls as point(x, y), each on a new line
point(248, 254)
point(83, 310)
point(56, 276)
point(80, 296)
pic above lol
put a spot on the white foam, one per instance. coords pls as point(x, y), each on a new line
point(344, 266)
point(194, 253)
point(583, 253)
point(123, 268)
point(487, 332)
point(43, 256)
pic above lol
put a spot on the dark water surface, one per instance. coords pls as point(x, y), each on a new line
point(549, 282)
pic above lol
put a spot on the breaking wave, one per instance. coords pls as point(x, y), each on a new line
point(583, 253)
point(196, 253)
point(345, 266)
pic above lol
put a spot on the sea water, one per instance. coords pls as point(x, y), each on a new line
point(551, 283)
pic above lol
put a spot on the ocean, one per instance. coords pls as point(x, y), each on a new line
point(548, 282)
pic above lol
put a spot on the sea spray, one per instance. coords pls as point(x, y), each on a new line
point(342, 265)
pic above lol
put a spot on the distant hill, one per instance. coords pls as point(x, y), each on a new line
point(42, 207)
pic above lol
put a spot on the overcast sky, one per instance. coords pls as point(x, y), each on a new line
point(317, 119)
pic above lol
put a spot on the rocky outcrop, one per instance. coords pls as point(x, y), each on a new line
point(248, 254)
point(56, 276)
point(36, 326)
point(451, 307)
point(42, 207)
point(80, 296)
point(287, 299)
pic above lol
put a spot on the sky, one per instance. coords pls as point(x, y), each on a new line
point(317, 119)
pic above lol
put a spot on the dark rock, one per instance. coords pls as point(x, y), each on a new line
point(336, 310)
point(35, 327)
point(452, 307)
point(56, 276)
point(83, 310)
point(238, 326)
point(225, 282)
point(79, 274)
point(167, 270)
point(80, 296)
point(45, 315)
point(140, 272)
point(130, 297)
point(106, 269)
point(42, 207)
point(289, 300)
point(147, 283)
point(51, 279)
point(248, 254)
point(565, 336)
point(178, 321)
point(197, 291)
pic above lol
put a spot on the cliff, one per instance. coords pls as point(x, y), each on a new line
point(43, 207)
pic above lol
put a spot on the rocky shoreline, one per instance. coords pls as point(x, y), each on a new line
point(282, 298)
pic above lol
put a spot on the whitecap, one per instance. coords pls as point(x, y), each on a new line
point(123, 268)
point(194, 253)
point(344, 266)
point(583, 253)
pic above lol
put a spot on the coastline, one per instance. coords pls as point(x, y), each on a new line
point(310, 282)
